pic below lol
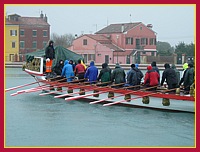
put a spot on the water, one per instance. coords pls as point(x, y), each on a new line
point(33, 120)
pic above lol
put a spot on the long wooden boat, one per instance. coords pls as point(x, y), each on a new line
point(160, 99)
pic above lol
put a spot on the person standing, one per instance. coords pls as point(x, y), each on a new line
point(91, 73)
point(188, 78)
point(58, 68)
point(134, 76)
point(177, 73)
point(154, 67)
point(151, 77)
point(118, 75)
point(50, 55)
point(67, 71)
point(105, 74)
point(170, 76)
point(79, 70)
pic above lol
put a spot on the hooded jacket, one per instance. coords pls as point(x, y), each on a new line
point(151, 77)
point(105, 73)
point(49, 51)
point(67, 71)
point(170, 76)
point(91, 72)
point(134, 76)
point(118, 75)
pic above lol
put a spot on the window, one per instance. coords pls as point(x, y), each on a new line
point(34, 45)
point(152, 41)
point(140, 27)
point(44, 44)
point(143, 41)
point(13, 44)
point(13, 32)
point(44, 33)
point(34, 33)
point(129, 40)
point(91, 57)
point(22, 44)
point(84, 41)
point(21, 32)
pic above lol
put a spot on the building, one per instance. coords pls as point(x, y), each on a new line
point(117, 43)
point(24, 35)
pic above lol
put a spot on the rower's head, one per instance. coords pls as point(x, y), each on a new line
point(185, 66)
point(167, 65)
point(153, 63)
point(92, 63)
point(149, 67)
point(132, 65)
point(104, 65)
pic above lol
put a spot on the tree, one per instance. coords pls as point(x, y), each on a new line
point(62, 40)
point(183, 48)
point(164, 48)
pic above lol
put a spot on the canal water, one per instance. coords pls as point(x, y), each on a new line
point(42, 121)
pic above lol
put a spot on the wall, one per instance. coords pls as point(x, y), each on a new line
point(8, 42)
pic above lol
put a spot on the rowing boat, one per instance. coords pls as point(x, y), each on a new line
point(109, 95)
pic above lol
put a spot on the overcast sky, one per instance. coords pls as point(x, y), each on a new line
point(172, 23)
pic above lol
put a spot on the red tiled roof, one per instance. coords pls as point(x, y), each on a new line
point(117, 28)
point(99, 38)
point(27, 21)
point(32, 21)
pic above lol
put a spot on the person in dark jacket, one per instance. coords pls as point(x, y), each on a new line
point(72, 63)
point(170, 76)
point(154, 67)
point(185, 68)
point(91, 73)
point(105, 74)
point(188, 78)
point(151, 77)
point(177, 73)
point(134, 76)
point(68, 71)
point(118, 75)
point(58, 68)
point(50, 55)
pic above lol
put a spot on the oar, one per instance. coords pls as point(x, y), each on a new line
point(64, 95)
point(112, 103)
point(83, 96)
point(20, 86)
point(100, 92)
point(39, 88)
point(118, 95)
point(28, 84)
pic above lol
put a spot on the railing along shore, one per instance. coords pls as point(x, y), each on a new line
point(98, 65)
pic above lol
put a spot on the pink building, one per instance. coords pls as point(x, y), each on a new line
point(117, 43)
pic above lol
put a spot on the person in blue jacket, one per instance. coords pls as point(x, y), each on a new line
point(91, 73)
point(67, 71)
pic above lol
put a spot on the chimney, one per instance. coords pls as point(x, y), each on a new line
point(150, 26)
point(41, 15)
point(45, 18)
point(122, 28)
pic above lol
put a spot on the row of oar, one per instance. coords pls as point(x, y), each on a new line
point(82, 85)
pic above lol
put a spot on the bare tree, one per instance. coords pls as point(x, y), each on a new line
point(62, 40)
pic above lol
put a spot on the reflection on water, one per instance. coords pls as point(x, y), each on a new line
point(33, 120)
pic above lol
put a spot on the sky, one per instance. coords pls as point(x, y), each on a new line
point(172, 23)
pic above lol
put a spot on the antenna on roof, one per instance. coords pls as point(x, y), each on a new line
point(130, 18)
